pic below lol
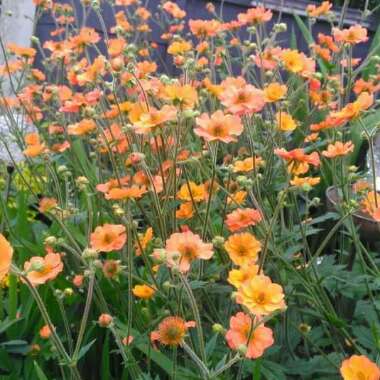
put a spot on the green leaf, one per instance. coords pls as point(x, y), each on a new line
point(373, 50)
point(105, 365)
point(85, 348)
point(16, 346)
point(4, 325)
point(40, 373)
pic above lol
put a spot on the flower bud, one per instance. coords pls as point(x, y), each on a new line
point(105, 320)
point(242, 349)
point(68, 292)
point(50, 240)
point(218, 241)
point(218, 328)
point(90, 254)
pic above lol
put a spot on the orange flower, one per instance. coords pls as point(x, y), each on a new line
point(359, 367)
point(143, 241)
point(116, 46)
point(145, 120)
point(123, 193)
point(143, 291)
point(204, 28)
point(237, 198)
point(338, 149)
point(111, 184)
point(21, 51)
point(261, 296)
point(298, 160)
point(214, 89)
point(314, 11)
point(85, 37)
point(47, 204)
point(173, 9)
point(371, 205)
point(245, 331)
point(268, 60)
point(39, 270)
point(45, 332)
point(185, 211)
point(243, 100)
point(171, 331)
point(354, 35)
point(305, 181)
point(242, 248)
point(179, 47)
point(185, 247)
point(274, 92)
point(111, 269)
point(297, 62)
point(6, 253)
point(191, 192)
point(218, 127)
point(83, 127)
point(353, 110)
point(285, 122)
point(242, 218)
point(109, 237)
point(248, 164)
point(255, 16)
point(34, 146)
point(237, 277)
point(184, 96)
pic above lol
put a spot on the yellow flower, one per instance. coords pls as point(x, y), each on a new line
point(143, 291)
point(179, 47)
point(274, 92)
point(192, 192)
point(285, 122)
point(237, 277)
point(261, 296)
point(237, 198)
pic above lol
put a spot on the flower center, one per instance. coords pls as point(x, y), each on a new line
point(188, 252)
point(260, 298)
point(218, 130)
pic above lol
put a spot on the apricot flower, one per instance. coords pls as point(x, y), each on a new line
point(109, 237)
point(242, 218)
point(339, 149)
point(354, 35)
point(245, 331)
point(183, 248)
point(6, 253)
point(314, 11)
point(39, 269)
point(218, 127)
point(243, 100)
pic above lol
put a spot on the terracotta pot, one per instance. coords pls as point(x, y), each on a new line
point(369, 229)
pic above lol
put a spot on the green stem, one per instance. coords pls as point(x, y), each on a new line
point(196, 314)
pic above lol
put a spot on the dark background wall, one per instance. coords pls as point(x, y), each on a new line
point(229, 8)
